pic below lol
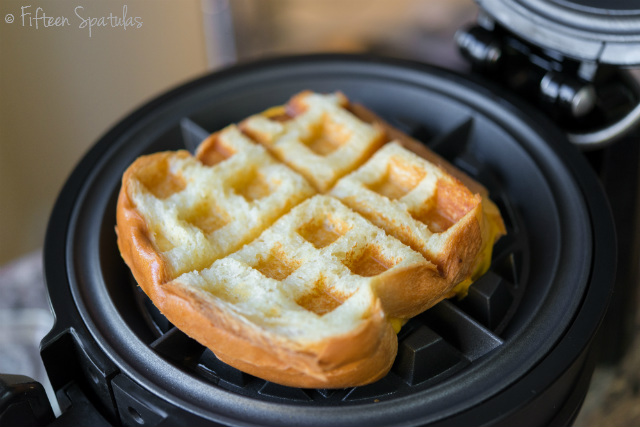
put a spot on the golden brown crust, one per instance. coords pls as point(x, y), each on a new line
point(148, 266)
point(409, 292)
point(462, 245)
point(360, 357)
point(212, 150)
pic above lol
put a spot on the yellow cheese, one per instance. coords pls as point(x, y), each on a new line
point(494, 228)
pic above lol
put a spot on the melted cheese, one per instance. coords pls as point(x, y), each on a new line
point(493, 229)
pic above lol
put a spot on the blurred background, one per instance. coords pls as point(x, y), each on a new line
point(62, 87)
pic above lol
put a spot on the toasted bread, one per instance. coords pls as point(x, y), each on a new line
point(295, 244)
point(317, 136)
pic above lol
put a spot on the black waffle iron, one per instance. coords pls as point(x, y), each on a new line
point(518, 350)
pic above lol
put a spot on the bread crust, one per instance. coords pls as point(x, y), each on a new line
point(361, 356)
point(147, 265)
point(358, 357)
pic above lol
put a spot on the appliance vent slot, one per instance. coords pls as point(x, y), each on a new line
point(192, 134)
point(177, 346)
point(453, 143)
point(467, 335)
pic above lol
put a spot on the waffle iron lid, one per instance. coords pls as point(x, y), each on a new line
point(606, 32)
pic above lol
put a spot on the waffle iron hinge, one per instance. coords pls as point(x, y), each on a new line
point(594, 103)
point(553, 82)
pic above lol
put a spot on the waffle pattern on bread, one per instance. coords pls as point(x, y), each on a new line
point(419, 204)
point(317, 136)
point(292, 244)
point(199, 211)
